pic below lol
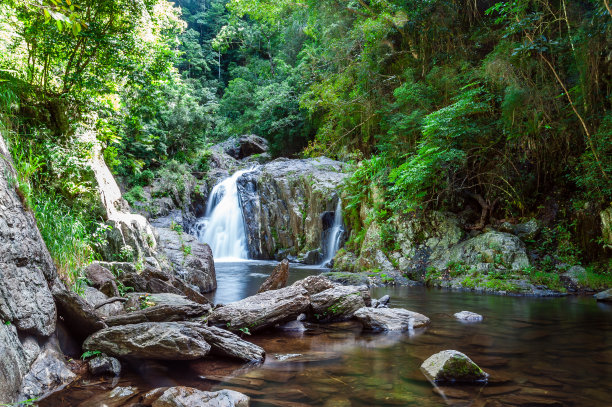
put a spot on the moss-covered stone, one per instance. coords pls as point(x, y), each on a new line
point(451, 366)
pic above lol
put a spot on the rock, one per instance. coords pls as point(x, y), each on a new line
point(14, 364)
point(315, 284)
point(191, 261)
point(167, 308)
point(104, 365)
point(574, 275)
point(190, 397)
point(282, 203)
point(528, 230)
point(117, 397)
point(102, 279)
point(155, 281)
point(312, 257)
point(468, 316)
point(339, 303)
point(94, 298)
point(485, 251)
point(262, 310)
point(246, 146)
point(347, 278)
point(225, 343)
point(451, 366)
point(150, 340)
point(78, 315)
point(278, 278)
point(48, 373)
point(604, 296)
point(390, 319)
point(383, 301)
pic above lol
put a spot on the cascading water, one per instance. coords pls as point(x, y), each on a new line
point(223, 225)
point(334, 236)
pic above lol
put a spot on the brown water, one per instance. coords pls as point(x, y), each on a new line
point(538, 351)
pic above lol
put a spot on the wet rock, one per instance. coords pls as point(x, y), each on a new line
point(468, 316)
point(278, 278)
point(451, 366)
point(117, 397)
point(483, 251)
point(339, 303)
point(104, 365)
point(390, 319)
point(166, 308)
point(155, 281)
point(150, 340)
point(94, 298)
point(225, 343)
point(186, 396)
point(48, 373)
point(78, 315)
point(312, 257)
point(283, 201)
point(191, 260)
point(262, 310)
point(604, 296)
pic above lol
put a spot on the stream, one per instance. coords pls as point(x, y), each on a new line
point(538, 351)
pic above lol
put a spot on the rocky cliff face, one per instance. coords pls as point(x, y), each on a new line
point(27, 310)
point(285, 204)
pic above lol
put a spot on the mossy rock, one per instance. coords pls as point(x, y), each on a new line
point(451, 366)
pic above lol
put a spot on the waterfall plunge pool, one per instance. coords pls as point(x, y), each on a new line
point(539, 352)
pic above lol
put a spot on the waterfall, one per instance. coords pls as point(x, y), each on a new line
point(223, 225)
point(334, 236)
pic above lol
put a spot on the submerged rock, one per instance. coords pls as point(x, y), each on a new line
point(186, 396)
point(605, 296)
point(278, 278)
point(390, 319)
point(166, 308)
point(150, 340)
point(468, 316)
point(451, 366)
point(339, 303)
point(104, 365)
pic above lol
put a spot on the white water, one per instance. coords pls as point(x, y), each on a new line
point(334, 238)
point(223, 226)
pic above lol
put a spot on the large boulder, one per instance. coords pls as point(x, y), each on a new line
point(101, 304)
point(390, 319)
point(27, 309)
point(191, 261)
point(262, 310)
point(150, 340)
point(78, 315)
point(48, 373)
point(190, 397)
point(339, 303)
point(101, 278)
point(484, 252)
point(283, 202)
point(246, 146)
point(278, 278)
point(165, 308)
point(451, 366)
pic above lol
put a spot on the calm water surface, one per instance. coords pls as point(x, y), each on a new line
point(538, 351)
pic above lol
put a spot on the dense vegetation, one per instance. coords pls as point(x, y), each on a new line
point(438, 103)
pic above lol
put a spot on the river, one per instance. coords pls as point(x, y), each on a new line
point(538, 352)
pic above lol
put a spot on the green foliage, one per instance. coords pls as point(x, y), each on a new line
point(90, 354)
point(134, 195)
